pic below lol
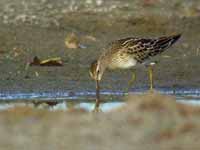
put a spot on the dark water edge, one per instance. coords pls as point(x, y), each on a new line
point(86, 99)
point(88, 96)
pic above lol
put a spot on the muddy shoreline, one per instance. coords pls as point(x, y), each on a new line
point(21, 41)
point(21, 45)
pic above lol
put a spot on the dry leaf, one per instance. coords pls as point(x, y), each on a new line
point(47, 62)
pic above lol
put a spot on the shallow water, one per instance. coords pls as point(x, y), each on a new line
point(187, 93)
point(86, 99)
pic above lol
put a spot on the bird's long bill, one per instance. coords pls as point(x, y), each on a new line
point(97, 95)
point(97, 90)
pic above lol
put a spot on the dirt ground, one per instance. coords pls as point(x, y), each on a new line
point(39, 28)
point(150, 121)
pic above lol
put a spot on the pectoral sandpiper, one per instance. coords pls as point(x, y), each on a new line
point(127, 53)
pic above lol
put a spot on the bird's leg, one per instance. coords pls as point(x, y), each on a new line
point(131, 81)
point(97, 104)
point(150, 69)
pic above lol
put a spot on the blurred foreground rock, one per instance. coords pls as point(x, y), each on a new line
point(149, 121)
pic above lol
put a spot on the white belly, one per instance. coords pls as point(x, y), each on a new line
point(122, 63)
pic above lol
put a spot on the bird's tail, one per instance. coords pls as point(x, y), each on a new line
point(163, 43)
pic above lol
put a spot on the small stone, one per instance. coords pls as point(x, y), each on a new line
point(72, 41)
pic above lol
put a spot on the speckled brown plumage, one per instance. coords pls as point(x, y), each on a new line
point(129, 52)
point(139, 48)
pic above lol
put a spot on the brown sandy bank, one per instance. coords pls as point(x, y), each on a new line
point(149, 121)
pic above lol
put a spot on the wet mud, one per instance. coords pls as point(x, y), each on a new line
point(22, 38)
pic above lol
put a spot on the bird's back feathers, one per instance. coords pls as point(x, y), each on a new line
point(142, 48)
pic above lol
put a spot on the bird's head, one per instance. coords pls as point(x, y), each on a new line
point(96, 70)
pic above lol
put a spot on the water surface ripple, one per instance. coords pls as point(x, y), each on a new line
point(187, 93)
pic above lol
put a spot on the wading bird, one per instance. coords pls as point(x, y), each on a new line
point(126, 53)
